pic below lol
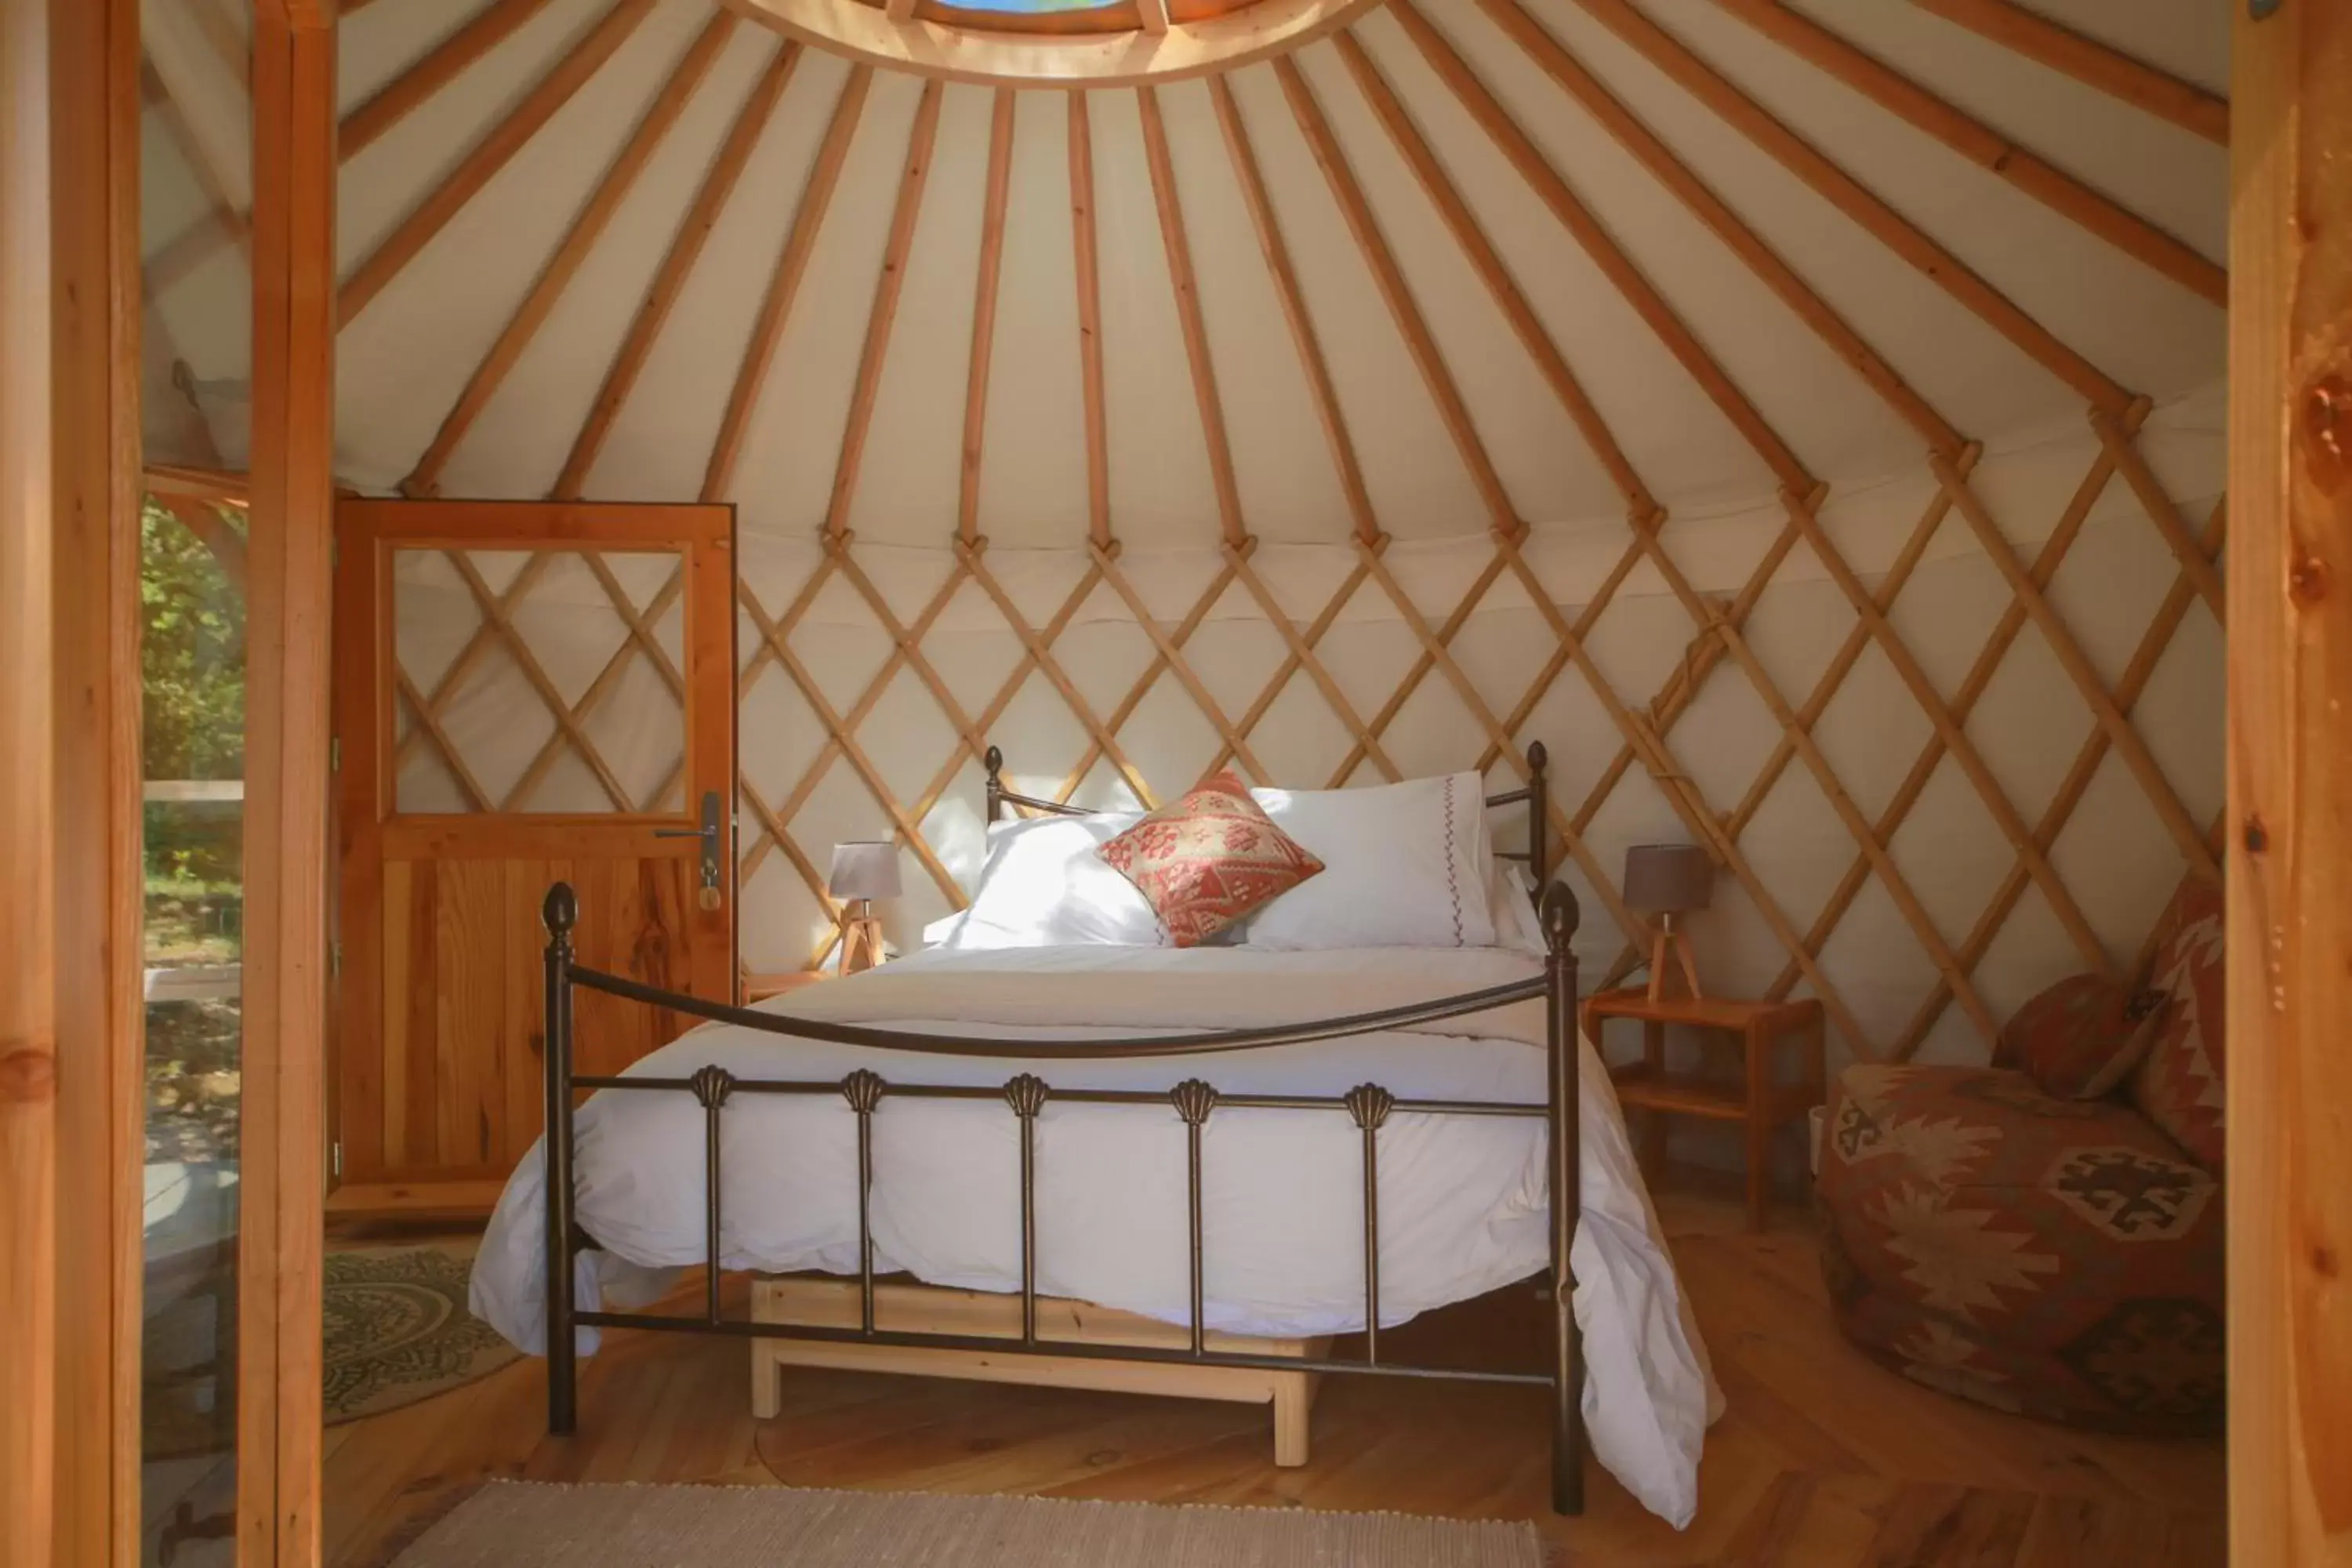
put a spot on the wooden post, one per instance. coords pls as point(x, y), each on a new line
point(290, 582)
point(94, 77)
point(28, 1010)
point(2290, 932)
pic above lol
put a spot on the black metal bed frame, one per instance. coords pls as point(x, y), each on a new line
point(1193, 1100)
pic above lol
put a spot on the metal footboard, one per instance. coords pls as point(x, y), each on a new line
point(1193, 1101)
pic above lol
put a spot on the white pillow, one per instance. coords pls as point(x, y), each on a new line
point(1043, 886)
point(1405, 865)
point(1518, 927)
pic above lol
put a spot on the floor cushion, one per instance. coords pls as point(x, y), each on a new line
point(2057, 1257)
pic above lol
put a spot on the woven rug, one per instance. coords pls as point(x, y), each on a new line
point(398, 1329)
point(510, 1525)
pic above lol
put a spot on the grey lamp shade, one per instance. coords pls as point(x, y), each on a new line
point(867, 868)
point(1669, 878)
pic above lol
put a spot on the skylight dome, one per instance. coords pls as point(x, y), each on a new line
point(1089, 42)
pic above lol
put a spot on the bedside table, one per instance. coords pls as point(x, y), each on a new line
point(1762, 1109)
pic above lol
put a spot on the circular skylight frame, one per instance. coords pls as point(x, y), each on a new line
point(1134, 58)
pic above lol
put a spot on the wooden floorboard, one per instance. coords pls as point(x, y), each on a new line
point(1823, 1458)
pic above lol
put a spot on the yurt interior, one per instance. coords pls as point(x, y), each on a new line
point(568, 563)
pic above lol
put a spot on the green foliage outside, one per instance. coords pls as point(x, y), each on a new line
point(192, 727)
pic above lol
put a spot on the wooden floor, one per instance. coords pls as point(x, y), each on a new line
point(1823, 1459)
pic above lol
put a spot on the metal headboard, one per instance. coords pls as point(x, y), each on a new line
point(1536, 855)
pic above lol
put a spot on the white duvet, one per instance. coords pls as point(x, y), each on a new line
point(1463, 1204)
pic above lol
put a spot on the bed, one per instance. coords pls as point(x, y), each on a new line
point(1123, 1163)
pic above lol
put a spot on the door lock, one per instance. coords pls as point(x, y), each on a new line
point(713, 835)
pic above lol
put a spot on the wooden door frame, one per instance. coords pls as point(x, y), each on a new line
point(101, 1011)
point(2290, 751)
point(289, 543)
point(28, 1067)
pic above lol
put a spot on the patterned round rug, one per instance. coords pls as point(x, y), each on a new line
point(398, 1330)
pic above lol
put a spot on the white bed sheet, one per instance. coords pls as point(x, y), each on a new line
point(1463, 1199)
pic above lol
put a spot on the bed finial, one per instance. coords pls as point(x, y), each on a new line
point(1560, 916)
point(1538, 758)
point(561, 911)
point(994, 762)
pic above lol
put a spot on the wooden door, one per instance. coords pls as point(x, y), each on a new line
point(527, 693)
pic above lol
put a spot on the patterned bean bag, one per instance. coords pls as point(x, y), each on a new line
point(2060, 1259)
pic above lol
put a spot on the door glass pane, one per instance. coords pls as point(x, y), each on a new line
point(196, 195)
point(193, 742)
point(538, 682)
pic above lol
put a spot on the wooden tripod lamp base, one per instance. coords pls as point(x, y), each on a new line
point(1671, 962)
point(861, 938)
point(863, 871)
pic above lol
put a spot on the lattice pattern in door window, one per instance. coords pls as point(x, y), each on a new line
point(545, 682)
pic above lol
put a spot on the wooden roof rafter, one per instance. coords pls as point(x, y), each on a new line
point(570, 254)
point(783, 286)
point(391, 258)
point(1857, 202)
point(1275, 251)
point(2092, 63)
point(987, 285)
point(1086, 271)
point(1185, 286)
point(1403, 310)
point(913, 178)
point(443, 64)
point(661, 292)
point(1981, 144)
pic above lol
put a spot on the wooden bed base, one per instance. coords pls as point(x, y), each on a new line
point(928, 1308)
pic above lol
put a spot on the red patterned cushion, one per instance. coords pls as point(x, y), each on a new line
point(2080, 1038)
point(1209, 859)
point(2178, 1086)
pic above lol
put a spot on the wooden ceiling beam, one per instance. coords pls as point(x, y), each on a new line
point(913, 177)
point(484, 31)
point(791, 265)
point(1860, 203)
point(684, 247)
point(1403, 307)
point(1631, 133)
point(1089, 290)
point(1276, 252)
point(1987, 148)
point(492, 154)
point(1488, 263)
point(1154, 15)
point(2092, 63)
point(570, 254)
point(1185, 286)
point(983, 314)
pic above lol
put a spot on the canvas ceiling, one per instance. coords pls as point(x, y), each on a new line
point(1924, 815)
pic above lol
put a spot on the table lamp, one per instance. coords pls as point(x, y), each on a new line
point(1666, 880)
point(863, 871)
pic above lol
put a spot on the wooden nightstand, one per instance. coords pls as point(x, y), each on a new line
point(1647, 1084)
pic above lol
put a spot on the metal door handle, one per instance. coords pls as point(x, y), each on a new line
point(711, 834)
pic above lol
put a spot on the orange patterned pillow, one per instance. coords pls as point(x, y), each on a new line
point(1207, 860)
point(2082, 1038)
point(2178, 1086)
